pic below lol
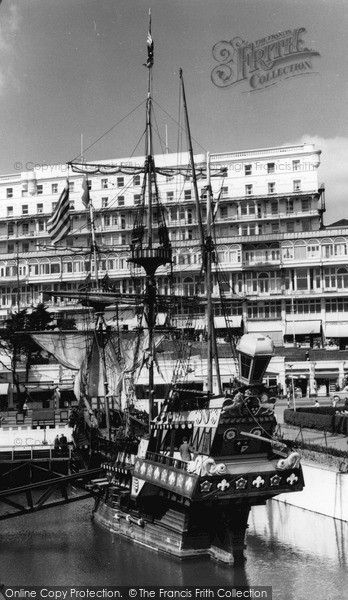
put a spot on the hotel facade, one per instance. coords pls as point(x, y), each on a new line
point(284, 273)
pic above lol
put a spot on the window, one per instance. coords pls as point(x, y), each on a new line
point(305, 205)
point(54, 188)
point(302, 307)
point(39, 189)
point(170, 196)
point(41, 225)
point(25, 209)
point(136, 180)
point(55, 268)
point(71, 186)
point(25, 247)
point(72, 204)
point(120, 201)
point(10, 211)
point(274, 208)
point(342, 278)
point(25, 228)
point(119, 182)
point(248, 190)
point(247, 169)
point(123, 222)
point(301, 279)
point(270, 167)
point(290, 227)
point(10, 248)
point(39, 208)
point(223, 212)
point(137, 199)
point(336, 304)
point(224, 192)
point(313, 251)
point(187, 194)
point(297, 185)
point(289, 206)
point(295, 165)
point(104, 202)
point(10, 229)
point(271, 187)
point(9, 192)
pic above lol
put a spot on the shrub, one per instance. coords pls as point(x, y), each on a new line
point(310, 419)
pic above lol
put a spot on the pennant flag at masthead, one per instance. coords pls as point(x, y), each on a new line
point(150, 46)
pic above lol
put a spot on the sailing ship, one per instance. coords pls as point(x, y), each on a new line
point(181, 477)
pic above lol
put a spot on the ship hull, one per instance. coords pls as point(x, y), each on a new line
point(215, 532)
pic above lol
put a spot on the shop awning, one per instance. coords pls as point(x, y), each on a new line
point(199, 324)
point(302, 327)
point(272, 329)
point(4, 389)
point(326, 372)
point(336, 330)
point(229, 321)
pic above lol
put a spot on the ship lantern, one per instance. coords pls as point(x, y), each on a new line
point(255, 352)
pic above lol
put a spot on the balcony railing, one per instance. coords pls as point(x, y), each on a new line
point(169, 461)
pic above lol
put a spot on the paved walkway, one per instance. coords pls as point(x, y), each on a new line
point(313, 436)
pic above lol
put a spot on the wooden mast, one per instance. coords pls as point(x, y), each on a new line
point(156, 249)
point(206, 251)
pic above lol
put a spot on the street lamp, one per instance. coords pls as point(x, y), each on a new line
point(292, 388)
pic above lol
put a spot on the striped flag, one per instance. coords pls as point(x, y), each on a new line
point(58, 226)
point(149, 42)
point(85, 192)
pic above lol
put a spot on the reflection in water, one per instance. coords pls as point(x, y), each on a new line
point(300, 554)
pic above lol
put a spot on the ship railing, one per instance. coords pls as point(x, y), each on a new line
point(169, 461)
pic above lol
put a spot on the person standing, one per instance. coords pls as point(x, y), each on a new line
point(56, 445)
point(185, 452)
point(25, 409)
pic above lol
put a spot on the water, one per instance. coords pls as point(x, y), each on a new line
point(301, 554)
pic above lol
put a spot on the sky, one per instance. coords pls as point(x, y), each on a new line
point(76, 67)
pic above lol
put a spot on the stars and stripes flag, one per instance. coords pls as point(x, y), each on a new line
point(58, 226)
point(85, 192)
point(149, 42)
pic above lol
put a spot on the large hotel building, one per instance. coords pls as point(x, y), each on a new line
point(284, 273)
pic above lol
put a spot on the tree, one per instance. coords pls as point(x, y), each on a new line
point(17, 343)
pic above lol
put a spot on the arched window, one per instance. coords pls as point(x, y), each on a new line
point(263, 283)
point(287, 251)
point(189, 286)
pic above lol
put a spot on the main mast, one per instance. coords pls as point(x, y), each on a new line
point(150, 249)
